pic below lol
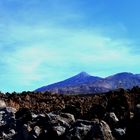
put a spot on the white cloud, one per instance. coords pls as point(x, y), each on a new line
point(47, 54)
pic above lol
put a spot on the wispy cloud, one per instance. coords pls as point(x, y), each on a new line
point(50, 54)
point(44, 42)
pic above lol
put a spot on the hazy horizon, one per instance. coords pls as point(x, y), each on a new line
point(46, 41)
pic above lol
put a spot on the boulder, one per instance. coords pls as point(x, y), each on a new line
point(7, 122)
point(60, 122)
point(35, 133)
point(96, 111)
point(133, 126)
point(79, 130)
point(119, 133)
point(7, 117)
point(90, 130)
point(9, 135)
point(111, 119)
point(2, 104)
point(73, 109)
point(23, 115)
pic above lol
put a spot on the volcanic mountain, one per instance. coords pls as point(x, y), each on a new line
point(83, 83)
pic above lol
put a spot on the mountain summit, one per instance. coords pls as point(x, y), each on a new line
point(83, 74)
point(77, 80)
point(83, 83)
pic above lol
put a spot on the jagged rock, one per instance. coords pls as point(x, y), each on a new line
point(7, 122)
point(35, 133)
point(37, 130)
point(73, 109)
point(2, 104)
point(96, 111)
point(90, 130)
point(7, 117)
point(119, 105)
point(111, 119)
point(79, 130)
point(113, 122)
point(23, 115)
point(101, 130)
point(9, 135)
point(137, 111)
point(64, 118)
point(119, 133)
point(61, 122)
point(60, 130)
point(133, 127)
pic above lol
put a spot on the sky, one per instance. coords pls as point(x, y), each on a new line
point(45, 41)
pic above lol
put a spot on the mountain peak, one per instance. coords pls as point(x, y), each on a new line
point(125, 73)
point(121, 75)
point(83, 74)
point(85, 83)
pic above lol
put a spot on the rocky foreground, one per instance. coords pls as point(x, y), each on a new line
point(36, 116)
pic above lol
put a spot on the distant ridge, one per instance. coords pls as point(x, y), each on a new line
point(83, 83)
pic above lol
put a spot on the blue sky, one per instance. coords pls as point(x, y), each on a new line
point(45, 41)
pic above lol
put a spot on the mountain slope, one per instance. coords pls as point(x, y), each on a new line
point(124, 80)
point(84, 83)
point(76, 80)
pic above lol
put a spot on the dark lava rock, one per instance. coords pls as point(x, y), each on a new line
point(90, 130)
point(73, 109)
point(133, 128)
point(7, 123)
